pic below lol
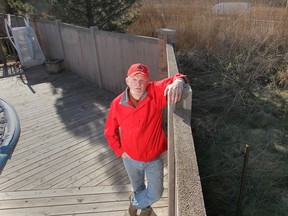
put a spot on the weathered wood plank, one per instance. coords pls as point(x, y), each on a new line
point(104, 207)
point(53, 174)
point(67, 200)
point(8, 199)
point(13, 195)
point(53, 154)
point(48, 170)
point(97, 174)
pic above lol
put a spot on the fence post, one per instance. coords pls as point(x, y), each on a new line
point(244, 171)
point(169, 35)
point(61, 42)
point(166, 36)
point(95, 49)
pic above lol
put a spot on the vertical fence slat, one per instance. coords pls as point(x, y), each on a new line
point(95, 50)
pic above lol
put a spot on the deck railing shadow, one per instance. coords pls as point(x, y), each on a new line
point(85, 98)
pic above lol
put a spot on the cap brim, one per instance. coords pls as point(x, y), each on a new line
point(138, 72)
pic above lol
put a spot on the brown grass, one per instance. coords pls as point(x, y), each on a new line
point(197, 25)
point(262, 31)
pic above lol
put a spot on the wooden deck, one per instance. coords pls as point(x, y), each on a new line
point(62, 164)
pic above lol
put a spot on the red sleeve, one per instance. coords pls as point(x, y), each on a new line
point(179, 75)
point(112, 131)
point(165, 82)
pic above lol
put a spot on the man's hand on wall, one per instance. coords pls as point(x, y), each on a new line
point(174, 91)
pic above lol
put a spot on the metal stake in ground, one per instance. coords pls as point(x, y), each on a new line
point(245, 154)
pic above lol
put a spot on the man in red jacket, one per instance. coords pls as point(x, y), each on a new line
point(134, 132)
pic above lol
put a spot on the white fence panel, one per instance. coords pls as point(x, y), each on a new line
point(99, 56)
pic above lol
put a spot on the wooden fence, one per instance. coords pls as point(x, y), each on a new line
point(99, 56)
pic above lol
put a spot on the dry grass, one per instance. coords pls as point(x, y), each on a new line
point(197, 25)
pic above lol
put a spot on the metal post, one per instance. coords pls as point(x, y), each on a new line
point(245, 154)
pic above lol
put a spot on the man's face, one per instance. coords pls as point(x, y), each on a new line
point(137, 85)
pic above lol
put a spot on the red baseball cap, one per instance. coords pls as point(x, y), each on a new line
point(138, 69)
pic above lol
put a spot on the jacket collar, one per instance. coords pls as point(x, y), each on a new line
point(125, 98)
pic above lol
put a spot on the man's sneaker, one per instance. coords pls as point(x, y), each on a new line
point(147, 212)
point(132, 210)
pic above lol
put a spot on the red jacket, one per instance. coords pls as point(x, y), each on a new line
point(138, 130)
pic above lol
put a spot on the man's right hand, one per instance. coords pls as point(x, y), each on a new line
point(174, 91)
point(125, 155)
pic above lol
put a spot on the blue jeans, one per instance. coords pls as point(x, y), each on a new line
point(144, 196)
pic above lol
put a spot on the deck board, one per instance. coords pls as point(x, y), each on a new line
point(62, 164)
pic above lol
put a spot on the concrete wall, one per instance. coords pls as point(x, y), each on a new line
point(185, 191)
